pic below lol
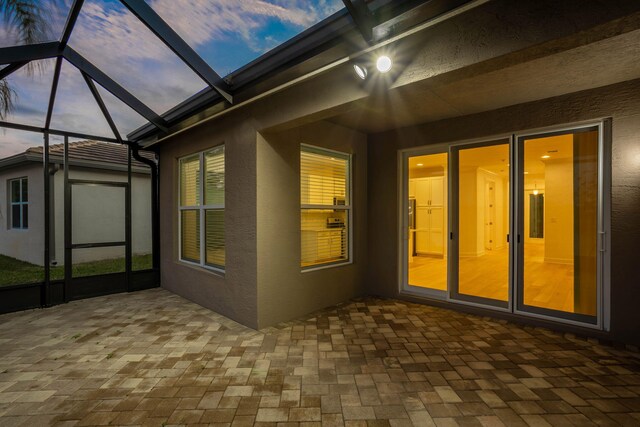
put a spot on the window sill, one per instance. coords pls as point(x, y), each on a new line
point(204, 268)
point(326, 266)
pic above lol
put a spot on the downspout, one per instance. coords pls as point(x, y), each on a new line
point(155, 203)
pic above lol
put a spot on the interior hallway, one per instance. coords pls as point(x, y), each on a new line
point(154, 358)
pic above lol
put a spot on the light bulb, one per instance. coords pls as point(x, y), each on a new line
point(383, 64)
point(360, 71)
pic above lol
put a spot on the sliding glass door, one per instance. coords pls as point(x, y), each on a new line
point(514, 223)
point(425, 227)
point(480, 261)
point(558, 206)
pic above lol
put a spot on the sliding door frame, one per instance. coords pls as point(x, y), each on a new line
point(601, 320)
point(604, 126)
point(403, 253)
point(454, 228)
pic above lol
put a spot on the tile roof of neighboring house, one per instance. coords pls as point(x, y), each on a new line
point(104, 152)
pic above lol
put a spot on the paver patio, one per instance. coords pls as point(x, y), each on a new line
point(154, 358)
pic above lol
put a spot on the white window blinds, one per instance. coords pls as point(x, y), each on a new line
point(202, 208)
point(325, 206)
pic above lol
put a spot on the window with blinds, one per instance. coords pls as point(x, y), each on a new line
point(202, 183)
point(325, 217)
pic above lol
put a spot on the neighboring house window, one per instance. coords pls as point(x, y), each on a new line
point(325, 199)
point(202, 208)
point(19, 203)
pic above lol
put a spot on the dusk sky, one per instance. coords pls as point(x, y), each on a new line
point(226, 33)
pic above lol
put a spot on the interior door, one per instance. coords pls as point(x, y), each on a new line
point(479, 275)
point(558, 261)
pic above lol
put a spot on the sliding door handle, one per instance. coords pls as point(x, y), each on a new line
point(507, 238)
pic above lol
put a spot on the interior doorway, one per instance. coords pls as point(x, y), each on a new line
point(489, 214)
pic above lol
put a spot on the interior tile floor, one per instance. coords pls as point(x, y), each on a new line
point(154, 358)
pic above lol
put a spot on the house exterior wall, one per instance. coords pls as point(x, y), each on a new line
point(284, 291)
point(25, 245)
point(233, 293)
point(91, 223)
point(621, 102)
point(261, 284)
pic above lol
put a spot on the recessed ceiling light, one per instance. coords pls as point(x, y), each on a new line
point(526, 173)
point(546, 156)
point(420, 164)
point(361, 71)
point(383, 64)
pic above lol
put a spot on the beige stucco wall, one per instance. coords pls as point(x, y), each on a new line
point(233, 293)
point(25, 245)
point(499, 41)
point(284, 291)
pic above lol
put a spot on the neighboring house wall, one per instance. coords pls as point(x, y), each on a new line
point(26, 245)
point(99, 214)
point(621, 102)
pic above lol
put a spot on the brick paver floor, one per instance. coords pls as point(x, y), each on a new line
point(153, 358)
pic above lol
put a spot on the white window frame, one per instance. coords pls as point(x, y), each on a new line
point(21, 203)
point(348, 206)
point(202, 209)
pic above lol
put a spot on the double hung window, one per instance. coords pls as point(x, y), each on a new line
point(325, 207)
point(201, 208)
point(19, 203)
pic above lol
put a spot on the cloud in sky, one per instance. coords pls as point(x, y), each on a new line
point(226, 33)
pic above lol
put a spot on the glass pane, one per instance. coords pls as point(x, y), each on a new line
point(31, 87)
point(560, 245)
point(49, 17)
point(125, 118)
point(484, 222)
point(15, 191)
point(214, 176)
point(75, 109)
point(14, 271)
point(25, 190)
point(324, 236)
point(428, 206)
point(190, 181)
point(114, 40)
point(15, 216)
point(98, 261)
point(229, 35)
point(98, 213)
point(141, 215)
point(25, 216)
point(323, 179)
point(190, 235)
point(214, 237)
point(16, 142)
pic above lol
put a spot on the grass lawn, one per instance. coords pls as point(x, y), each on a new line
point(16, 272)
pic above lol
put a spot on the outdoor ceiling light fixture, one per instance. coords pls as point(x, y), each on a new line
point(384, 64)
point(361, 71)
